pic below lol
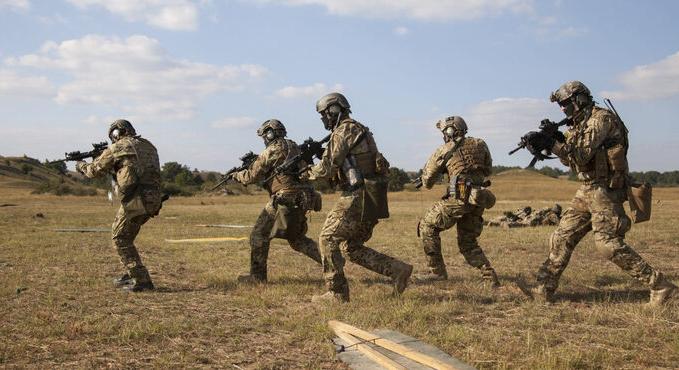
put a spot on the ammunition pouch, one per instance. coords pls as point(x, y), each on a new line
point(134, 206)
point(640, 196)
point(617, 161)
point(481, 197)
point(381, 165)
point(460, 189)
point(375, 205)
point(289, 220)
point(310, 200)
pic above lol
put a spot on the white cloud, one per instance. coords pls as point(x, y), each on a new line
point(506, 119)
point(135, 75)
point(651, 81)
point(401, 31)
point(20, 5)
point(425, 10)
point(234, 122)
point(315, 91)
point(13, 84)
point(176, 15)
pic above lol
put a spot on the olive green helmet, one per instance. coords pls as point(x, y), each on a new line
point(332, 99)
point(569, 90)
point(120, 128)
point(274, 126)
point(453, 126)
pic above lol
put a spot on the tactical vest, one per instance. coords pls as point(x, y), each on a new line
point(609, 164)
point(286, 149)
point(470, 159)
point(365, 153)
point(138, 164)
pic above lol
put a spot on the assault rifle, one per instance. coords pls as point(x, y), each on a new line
point(307, 151)
point(246, 161)
point(79, 156)
point(547, 128)
point(417, 182)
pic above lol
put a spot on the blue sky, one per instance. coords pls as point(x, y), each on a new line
point(198, 77)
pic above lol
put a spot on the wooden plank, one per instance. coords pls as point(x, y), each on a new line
point(392, 346)
point(369, 352)
point(206, 240)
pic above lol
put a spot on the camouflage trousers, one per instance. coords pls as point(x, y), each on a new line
point(260, 239)
point(598, 209)
point(344, 233)
point(442, 216)
point(124, 231)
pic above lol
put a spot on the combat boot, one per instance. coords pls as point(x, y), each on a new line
point(401, 277)
point(430, 276)
point(139, 287)
point(251, 279)
point(123, 281)
point(142, 280)
point(662, 292)
point(488, 275)
point(329, 297)
point(542, 294)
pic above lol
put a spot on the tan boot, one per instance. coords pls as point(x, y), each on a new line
point(430, 276)
point(329, 297)
point(541, 294)
point(401, 278)
point(663, 292)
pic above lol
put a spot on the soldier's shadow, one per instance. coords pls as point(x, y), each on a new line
point(170, 289)
point(302, 280)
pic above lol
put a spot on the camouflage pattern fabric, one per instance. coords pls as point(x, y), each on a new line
point(471, 158)
point(596, 206)
point(286, 187)
point(344, 234)
point(260, 239)
point(526, 217)
point(134, 163)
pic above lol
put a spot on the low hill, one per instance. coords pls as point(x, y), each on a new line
point(30, 173)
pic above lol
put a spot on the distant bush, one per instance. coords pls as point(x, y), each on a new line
point(59, 187)
point(26, 168)
point(397, 179)
point(670, 178)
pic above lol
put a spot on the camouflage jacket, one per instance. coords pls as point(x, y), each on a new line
point(595, 146)
point(275, 154)
point(469, 157)
point(349, 137)
point(134, 163)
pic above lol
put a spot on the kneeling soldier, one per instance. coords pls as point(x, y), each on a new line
point(134, 163)
point(285, 215)
point(467, 162)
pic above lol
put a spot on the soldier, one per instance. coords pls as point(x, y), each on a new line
point(352, 162)
point(133, 161)
point(285, 215)
point(467, 162)
point(595, 147)
point(526, 217)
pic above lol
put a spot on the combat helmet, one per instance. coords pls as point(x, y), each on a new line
point(331, 99)
point(452, 127)
point(572, 96)
point(120, 128)
point(271, 129)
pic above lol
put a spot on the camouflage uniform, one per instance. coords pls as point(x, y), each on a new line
point(526, 217)
point(595, 148)
point(134, 162)
point(350, 223)
point(467, 158)
point(289, 195)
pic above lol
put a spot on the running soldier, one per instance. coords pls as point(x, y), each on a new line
point(467, 162)
point(352, 162)
point(133, 161)
point(284, 216)
point(595, 147)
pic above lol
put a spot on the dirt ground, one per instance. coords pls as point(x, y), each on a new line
point(59, 308)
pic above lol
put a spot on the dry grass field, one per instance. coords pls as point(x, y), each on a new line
point(59, 309)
